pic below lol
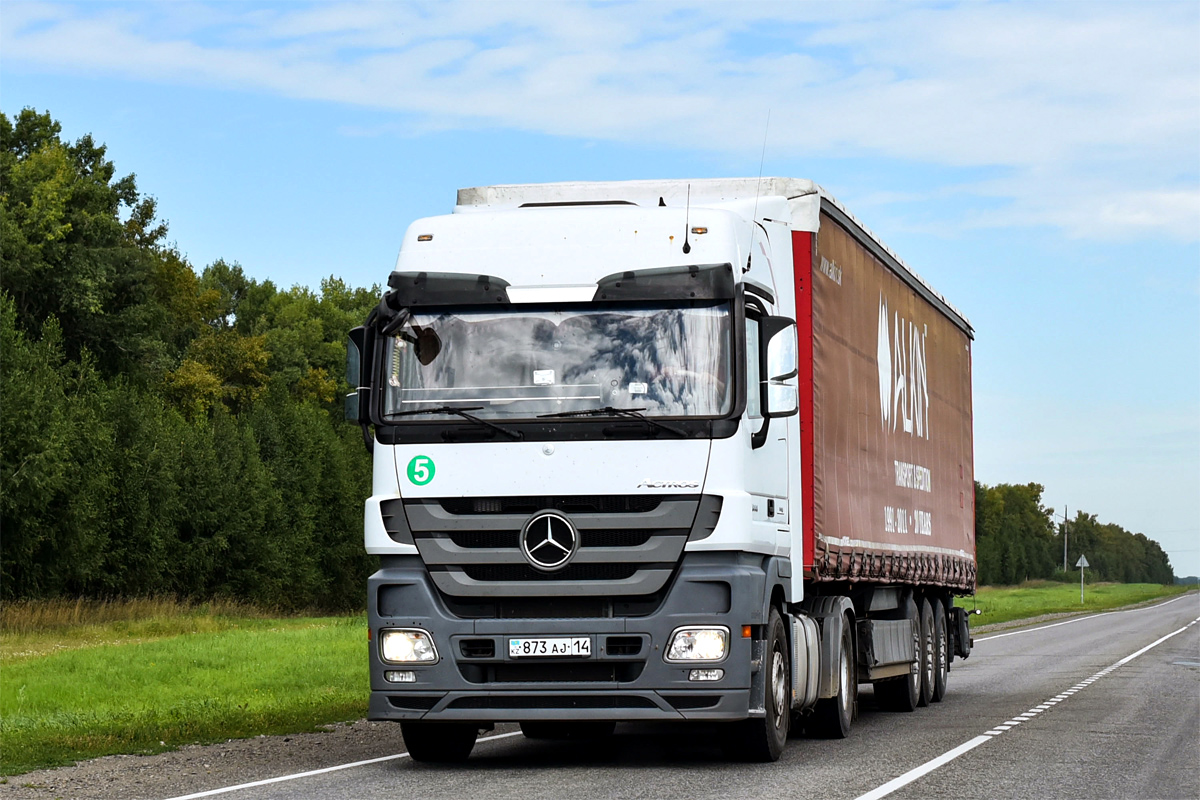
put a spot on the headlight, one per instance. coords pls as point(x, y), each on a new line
point(407, 646)
point(698, 644)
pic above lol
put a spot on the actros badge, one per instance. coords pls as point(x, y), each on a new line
point(549, 540)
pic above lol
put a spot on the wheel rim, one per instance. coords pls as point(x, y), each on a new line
point(846, 687)
point(943, 656)
point(914, 675)
point(929, 660)
point(779, 686)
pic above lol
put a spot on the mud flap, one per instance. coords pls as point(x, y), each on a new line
point(961, 631)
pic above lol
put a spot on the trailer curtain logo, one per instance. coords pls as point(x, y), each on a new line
point(903, 382)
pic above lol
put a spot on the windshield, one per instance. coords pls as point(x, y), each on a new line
point(665, 360)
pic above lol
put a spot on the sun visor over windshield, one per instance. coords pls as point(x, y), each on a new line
point(416, 289)
point(706, 282)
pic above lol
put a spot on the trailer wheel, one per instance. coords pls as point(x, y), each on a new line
point(763, 739)
point(903, 694)
point(927, 657)
point(833, 716)
point(941, 652)
point(439, 742)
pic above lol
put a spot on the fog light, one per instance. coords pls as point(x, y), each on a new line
point(407, 646)
point(403, 676)
point(706, 675)
point(698, 644)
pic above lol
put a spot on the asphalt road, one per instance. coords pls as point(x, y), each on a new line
point(1054, 711)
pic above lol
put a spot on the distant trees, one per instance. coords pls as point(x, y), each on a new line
point(1115, 554)
point(163, 431)
point(1014, 536)
point(1016, 540)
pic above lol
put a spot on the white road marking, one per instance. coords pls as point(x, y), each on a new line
point(1081, 619)
point(998, 730)
point(927, 767)
point(312, 772)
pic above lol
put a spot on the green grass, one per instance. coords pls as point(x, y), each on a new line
point(1034, 598)
point(29, 629)
point(140, 686)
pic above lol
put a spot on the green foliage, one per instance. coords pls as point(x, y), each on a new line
point(1115, 554)
point(1013, 534)
point(163, 431)
point(1016, 541)
point(68, 254)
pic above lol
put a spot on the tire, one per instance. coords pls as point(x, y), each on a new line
point(902, 694)
point(941, 652)
point(439, 742)
point(568, 730)
point(764, 739)
point(833, 716)
point(927, 656)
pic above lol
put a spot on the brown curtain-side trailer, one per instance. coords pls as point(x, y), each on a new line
point(885, 409)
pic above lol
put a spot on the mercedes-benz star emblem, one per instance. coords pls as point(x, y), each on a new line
point(549, 540)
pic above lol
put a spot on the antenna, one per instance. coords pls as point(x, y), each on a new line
point(687, 248)
point(758, 190)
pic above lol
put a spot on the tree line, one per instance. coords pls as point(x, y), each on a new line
point(165, 430)
point(1017, 539)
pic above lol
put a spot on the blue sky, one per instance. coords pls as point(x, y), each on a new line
point(1038, 163)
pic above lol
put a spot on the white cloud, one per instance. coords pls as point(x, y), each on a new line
point(1093, 109)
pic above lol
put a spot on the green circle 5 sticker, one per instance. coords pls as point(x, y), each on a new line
point(420, 470)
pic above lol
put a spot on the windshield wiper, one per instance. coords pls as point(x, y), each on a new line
point(516, 436)
point(631, 413)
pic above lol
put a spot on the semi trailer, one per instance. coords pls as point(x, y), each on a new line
point(660, 451)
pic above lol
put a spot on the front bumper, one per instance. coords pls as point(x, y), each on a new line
point(625, 678)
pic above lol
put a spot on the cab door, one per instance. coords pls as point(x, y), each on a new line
point(767, 461)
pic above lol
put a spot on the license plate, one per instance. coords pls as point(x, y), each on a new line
point(529, 648)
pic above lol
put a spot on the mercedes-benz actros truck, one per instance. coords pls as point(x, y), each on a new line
point(660, 451)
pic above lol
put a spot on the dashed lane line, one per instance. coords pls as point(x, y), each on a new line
point(998, 730)
point(311, 772)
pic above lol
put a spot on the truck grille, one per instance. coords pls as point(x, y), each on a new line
point(629, 546)
point(595, 538)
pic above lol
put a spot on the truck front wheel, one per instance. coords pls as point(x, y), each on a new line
point(439, 742)
point(763, 739)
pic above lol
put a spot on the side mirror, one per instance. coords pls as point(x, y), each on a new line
point(354, 348)
point(780, 365)
point(356, 405)
point(782, 400)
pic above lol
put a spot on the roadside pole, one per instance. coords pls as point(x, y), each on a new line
point(1082, 564)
